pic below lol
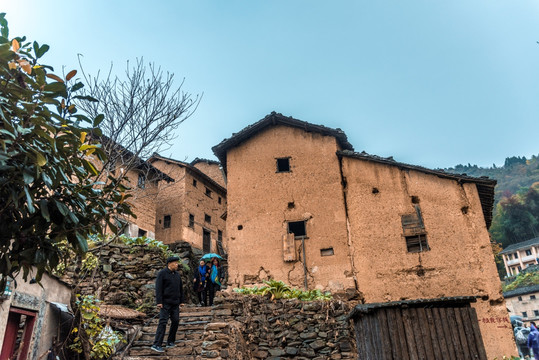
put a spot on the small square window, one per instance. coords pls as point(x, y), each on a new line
point(208, 192)
point(510, 257)
point(528, 252)
point(283, 165)
point(520, 298)
point(191, 220)
point(219, 199)
point(141, 181)
point(532, 297)
point(194, 183)
point(327, 252)
point(524, 314)
point(166, 221)
point(536, 312)
point(207, 218)
point(297, 228)
point(142, 232)
point(417, 243)
point(219, 235)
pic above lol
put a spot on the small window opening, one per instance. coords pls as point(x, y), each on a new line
point(525, 314)
point(283, 165)
point(142, 232)
point(219, 199)
point(464, 210)
point(417, 243)
point(375, 190)
point(207, 218)
point(240, 227)
point(532, 297)
point(327, 252)
point(194, 182)
point(219, 235)
point(516, 255)
point(166, 221)
point(528, 252)
point(291, 205)
point(208, 192)
point(141, 181)
point(536, 312)
point(297, 228)
point(415, 200)
point(191, 220)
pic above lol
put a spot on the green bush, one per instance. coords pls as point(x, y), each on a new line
point(279, 290)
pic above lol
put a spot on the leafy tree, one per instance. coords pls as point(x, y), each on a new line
point(49, 161)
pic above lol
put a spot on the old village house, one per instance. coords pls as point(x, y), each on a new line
point(303, 207)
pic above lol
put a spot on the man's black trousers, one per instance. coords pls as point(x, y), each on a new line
point(171, 312)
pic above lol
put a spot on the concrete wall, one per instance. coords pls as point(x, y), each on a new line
point(460, 261)
point(181, 198)
point(261, 201)
point(36, 298)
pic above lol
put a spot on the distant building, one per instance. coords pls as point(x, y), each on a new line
point(523, 302)
point(304, 208)
point(519, 256)
point(192, 208)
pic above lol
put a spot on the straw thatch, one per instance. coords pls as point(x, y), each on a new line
point(119, 312)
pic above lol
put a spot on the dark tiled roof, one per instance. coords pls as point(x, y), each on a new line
point(199, 160)
point(440, 302)
point(520, 245)
point(273, 119)
point(190, 167)
point(485, 186)
point(521, 291)
point(138, 163)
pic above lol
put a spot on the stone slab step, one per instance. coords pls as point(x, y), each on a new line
point(175, 351)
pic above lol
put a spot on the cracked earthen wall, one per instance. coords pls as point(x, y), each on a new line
point(143, 203)
point(181, 198)
point(460, 262)
point(212, 170)
point(261, 201)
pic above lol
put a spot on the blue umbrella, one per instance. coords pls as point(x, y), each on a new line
point(210, 256)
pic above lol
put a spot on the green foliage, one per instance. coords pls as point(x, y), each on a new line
point(279, 290)
point(152, 244)
point(526, 278)
point(517, 217)
point(50, 186)
point(100, 338)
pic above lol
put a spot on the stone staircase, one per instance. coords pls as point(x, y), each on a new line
point(202, 334)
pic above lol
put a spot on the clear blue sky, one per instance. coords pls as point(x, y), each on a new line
point(431, 83)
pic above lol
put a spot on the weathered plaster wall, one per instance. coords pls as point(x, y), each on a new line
point(258, 204)
point(144, 203)
point(212, 170)
point(170, 201)
point(36, 298)
point(181, 198)
point(460, 262)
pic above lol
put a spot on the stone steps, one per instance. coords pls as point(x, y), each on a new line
point(195, 325)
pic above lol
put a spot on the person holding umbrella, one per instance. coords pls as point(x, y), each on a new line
point(215, 278)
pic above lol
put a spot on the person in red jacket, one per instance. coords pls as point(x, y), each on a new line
point(168, 296)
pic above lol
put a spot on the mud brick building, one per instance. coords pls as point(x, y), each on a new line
point(303, 207)
point(192, 208)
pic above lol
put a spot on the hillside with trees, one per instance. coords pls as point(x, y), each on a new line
point(516, 209)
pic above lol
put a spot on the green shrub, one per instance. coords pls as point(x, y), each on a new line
point(279, 290)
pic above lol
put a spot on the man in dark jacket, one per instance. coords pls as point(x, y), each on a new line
point(168, 296)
